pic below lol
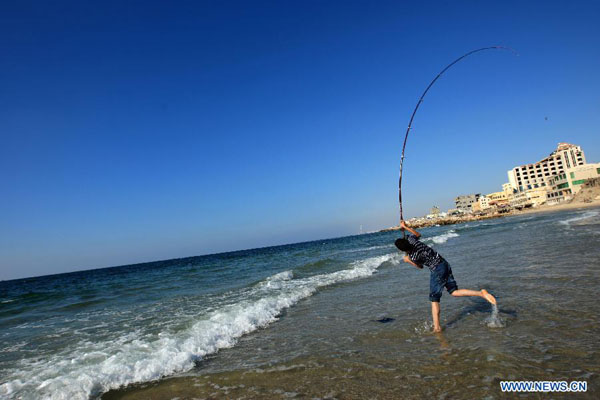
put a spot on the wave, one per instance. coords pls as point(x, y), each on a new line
point(584, 216)
point(94, 368)
point(276, 281)
point(443, 238)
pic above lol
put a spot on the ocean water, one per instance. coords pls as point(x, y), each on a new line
point(303, 320)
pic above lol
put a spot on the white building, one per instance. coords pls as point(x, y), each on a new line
point(537, 175)
point(484, 202)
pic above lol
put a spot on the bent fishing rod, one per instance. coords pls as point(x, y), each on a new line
point(412, 117)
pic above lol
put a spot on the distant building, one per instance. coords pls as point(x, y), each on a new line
point(484, 201)
point(454, 211)
point(536, 197)
point(498, 198)
point(537, 175)
point(507, 188)
point(565, 185)
point(578, 175)
point(465, 203)
point(435, 211)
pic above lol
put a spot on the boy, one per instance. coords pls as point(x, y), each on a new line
point(419, 255)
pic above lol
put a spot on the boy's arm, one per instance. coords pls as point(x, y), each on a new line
point(403, 226)
point(408, 260)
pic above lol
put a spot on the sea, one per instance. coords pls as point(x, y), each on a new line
point(338, 318)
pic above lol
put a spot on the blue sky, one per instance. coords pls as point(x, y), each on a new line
point(138, 131)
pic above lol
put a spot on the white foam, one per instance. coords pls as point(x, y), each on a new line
point(585, 215)
point(96, 367)
point(443, 238)
point(274, 282)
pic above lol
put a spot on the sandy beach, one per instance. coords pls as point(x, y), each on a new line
point(559, 207)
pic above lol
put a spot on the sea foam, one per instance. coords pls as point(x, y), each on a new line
point(94, 368)
point(443, 238)
point(584, 216)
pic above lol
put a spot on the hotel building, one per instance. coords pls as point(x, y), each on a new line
point(538, 175)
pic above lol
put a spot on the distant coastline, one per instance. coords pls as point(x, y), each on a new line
point(451, 220)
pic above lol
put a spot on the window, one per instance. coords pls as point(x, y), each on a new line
point(579, 182)
point(598, 170)
point(563, 185)
point(572, 175)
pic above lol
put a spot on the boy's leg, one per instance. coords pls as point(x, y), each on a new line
point(435, 294)
point(453, 289)
point(435, 313)
point(480, 293)
point(466, 292)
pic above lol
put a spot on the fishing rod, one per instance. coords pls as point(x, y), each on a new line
point(417, 107)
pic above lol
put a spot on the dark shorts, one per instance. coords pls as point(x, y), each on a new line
point(441, 277)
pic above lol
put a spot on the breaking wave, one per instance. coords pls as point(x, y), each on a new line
point(93, 368)
point(443, 238)
point(580, 217)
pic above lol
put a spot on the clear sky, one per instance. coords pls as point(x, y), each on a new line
point(136, 131)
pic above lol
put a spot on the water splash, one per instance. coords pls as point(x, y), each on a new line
point(424, 327)
point(494, 320)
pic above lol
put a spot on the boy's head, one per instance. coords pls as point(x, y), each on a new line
point(403, 245)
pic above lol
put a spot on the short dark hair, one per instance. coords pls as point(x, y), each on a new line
point(403, 245)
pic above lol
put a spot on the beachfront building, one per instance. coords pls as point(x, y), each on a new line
point(465, 203)
point(498, 198)
point(538, 175)
point(560, 190)
point(484, 202)
point(529, 198)
point(519, 200)
point(482, 205)
point(565, 185)
point(537, 197)
point(578, 175)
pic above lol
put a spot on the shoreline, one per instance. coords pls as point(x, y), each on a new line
point(470, 218)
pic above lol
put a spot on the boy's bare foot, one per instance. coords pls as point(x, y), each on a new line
point(488, 296)
point(437, 329)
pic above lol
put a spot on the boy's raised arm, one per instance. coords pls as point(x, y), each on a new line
point(403, 226)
